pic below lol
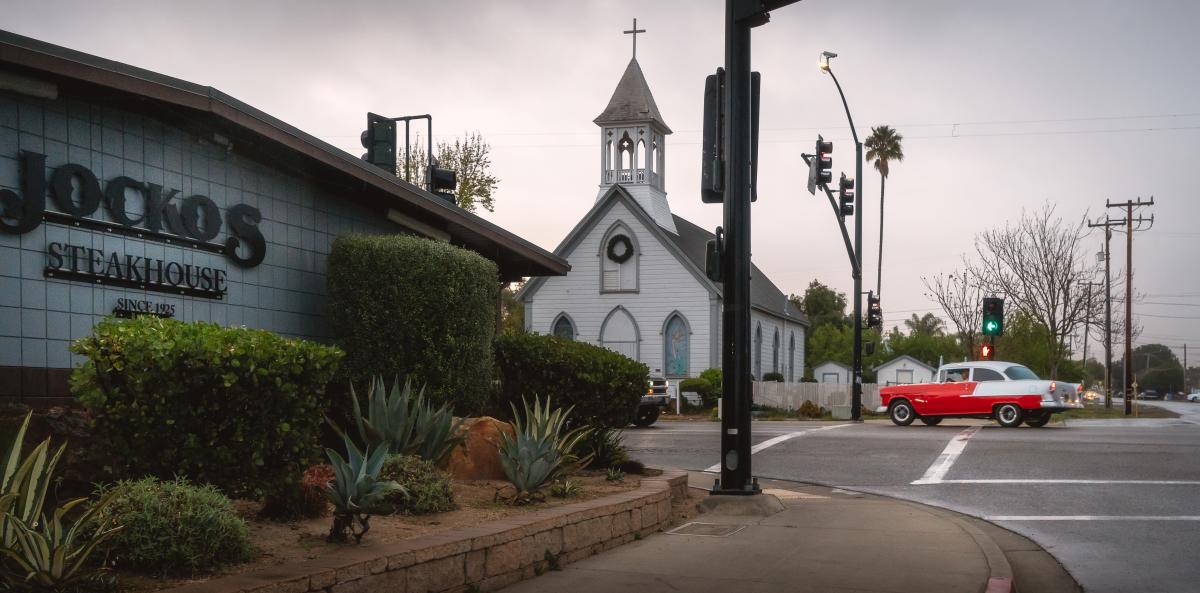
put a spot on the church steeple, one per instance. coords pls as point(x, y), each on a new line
point(633, 143)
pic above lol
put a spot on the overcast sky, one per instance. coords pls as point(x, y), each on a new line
point(1003, 106)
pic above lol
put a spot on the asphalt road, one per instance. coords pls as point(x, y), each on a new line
point(1116, 501)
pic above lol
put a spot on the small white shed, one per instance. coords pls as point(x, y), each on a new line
point(903, 370)
point(832, 371)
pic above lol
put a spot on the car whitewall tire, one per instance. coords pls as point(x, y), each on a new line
point(1009, 415)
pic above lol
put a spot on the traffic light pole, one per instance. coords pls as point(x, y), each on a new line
point(736, 477)
point(856, 389)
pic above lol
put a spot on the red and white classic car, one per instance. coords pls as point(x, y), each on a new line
point(1005, 391)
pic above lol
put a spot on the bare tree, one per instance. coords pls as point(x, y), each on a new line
point(959, 295)
point(1039, 265)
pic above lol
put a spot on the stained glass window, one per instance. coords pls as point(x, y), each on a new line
point(676, 342)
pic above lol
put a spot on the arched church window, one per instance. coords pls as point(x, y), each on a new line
point(625, 147)
point(620, 333)
point(758, 342)
point(676, 346)
point(654, 157)
point(619, 256)
point(775, 352)
point(643, 156)
point(563, 327)
point(792, 358)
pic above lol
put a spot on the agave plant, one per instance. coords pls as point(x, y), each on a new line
point(540, 450)
point(36, 549)
point(356, 490)
point(54, 555)
point(405, 424)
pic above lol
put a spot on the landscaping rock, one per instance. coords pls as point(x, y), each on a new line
point(477, 457)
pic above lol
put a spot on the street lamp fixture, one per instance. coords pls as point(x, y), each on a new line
point(823, 64)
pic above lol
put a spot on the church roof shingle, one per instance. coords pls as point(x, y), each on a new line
point(632, 100)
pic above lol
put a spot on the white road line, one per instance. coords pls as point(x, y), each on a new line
point(1093, 518)
point(1068, 481)
point(779, 439)
point(949, 455)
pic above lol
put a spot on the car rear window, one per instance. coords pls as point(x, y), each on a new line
point(1020, 373)
point(987, 375)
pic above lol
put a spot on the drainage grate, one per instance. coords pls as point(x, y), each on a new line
point(706, 529)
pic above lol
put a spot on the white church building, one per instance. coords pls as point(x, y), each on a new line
point(637, 282)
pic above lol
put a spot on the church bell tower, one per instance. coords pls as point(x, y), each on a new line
point(633, 143)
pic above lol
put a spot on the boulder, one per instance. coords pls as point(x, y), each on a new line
point(477, 457)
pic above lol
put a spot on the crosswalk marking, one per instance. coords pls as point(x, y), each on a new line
point(937, 471)
point(779, 439)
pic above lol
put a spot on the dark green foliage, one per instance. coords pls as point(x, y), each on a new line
point(305, 500)
point(237, 408)
point(565, 488)
point(776, 377)
point(716, 379)
point(633, 466)
point(426, 488)
point(615, 475)
point(810, 410)
point(174, 527)
point(701, 387)
point(605, 448)
point(408, 306)
point(604, 387)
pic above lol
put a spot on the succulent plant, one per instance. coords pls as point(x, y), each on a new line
point(356, 490)
point(540, 449)
point(615, 474)
point(565, 488)
point(405, 424)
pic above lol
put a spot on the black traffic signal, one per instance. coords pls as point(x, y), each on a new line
point(846, 195)
point(712, 145)
point(442, 182)
point(819, 167)
point(987, 351)
point(874, 311)
point(993, 316)
point(380, 141)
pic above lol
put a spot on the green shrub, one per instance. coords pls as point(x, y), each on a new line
point(603, 386)
point(702, 388)
point(237, 408)
point(426, 488)
point(565, 488)
point(408, 306)
point(174, 527)
point(714, 378)
point(304, 500)
point(810, 410)
point(605, 448)
point(776, 377)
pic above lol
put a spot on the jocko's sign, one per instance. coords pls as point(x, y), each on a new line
point(77, 194)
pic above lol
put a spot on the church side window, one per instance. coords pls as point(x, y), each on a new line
point(619, 261)
point(758, 342)
point(676, 342)
point(775, 353)
point(563, 327)
point(619, 333)
point(792, 358)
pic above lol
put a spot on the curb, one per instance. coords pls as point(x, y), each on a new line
point(1000, 579)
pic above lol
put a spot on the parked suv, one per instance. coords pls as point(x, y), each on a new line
point(653, 403)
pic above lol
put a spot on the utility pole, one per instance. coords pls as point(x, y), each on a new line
point(1107, 224)
point(1129, 205)
point(740, 17)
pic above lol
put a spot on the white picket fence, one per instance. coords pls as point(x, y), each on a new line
point(789, 396)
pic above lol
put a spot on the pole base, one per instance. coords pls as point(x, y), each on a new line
point(749, 490)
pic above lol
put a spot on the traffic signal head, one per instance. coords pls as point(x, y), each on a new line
point(874, 311)
point(820, 165)
point(442, 182)
point(993, 316)
point(380, 141)
point(846, 195)
point(987, 352)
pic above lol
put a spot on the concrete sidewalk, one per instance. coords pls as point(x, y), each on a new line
point(825, 540)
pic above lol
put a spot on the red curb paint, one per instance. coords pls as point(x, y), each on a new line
point(999, 585)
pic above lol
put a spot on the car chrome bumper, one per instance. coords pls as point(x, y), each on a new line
point(1061, 406)
point(881, 410)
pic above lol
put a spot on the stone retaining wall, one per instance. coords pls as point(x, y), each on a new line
point(483, 558)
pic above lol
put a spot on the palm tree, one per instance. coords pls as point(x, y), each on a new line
point(926, 325)
point(883, 146)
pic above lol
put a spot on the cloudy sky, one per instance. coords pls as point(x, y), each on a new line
point(1003, 107)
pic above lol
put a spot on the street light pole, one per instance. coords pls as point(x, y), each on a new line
point(856, 388)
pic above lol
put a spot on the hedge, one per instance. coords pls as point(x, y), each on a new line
point(238, 408)
point(411, 307)
point(604, 386)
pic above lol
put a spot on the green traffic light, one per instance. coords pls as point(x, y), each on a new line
point(992, 326)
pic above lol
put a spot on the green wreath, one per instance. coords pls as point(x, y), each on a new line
point(612, 249)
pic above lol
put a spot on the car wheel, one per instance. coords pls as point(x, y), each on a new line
point(1009, 415)
point(902, 413)
point(931, 421)
point(646, 415)
point(1038, 420)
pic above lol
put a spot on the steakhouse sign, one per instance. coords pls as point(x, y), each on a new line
point(192, 222)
